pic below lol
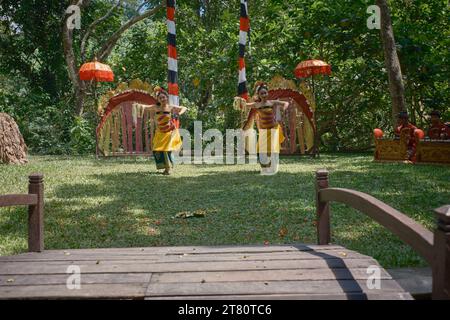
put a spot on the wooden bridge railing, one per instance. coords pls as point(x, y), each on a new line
point(35, 202)
point(434, 248)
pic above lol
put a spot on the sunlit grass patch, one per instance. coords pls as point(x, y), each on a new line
point(123, 203)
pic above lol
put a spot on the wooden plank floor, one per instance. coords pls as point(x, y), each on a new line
point(223, 272)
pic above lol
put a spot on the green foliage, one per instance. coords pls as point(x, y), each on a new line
point(43, 123)
point(353, 101)
point(81, 136)
point(31, 44)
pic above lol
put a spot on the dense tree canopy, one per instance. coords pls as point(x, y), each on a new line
point(36, 90)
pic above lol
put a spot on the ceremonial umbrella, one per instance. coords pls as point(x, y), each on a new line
point(310, 68)
point(97, 72)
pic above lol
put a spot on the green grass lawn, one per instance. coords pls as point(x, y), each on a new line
point(123, 203)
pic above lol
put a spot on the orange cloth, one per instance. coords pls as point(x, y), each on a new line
point(437, 130)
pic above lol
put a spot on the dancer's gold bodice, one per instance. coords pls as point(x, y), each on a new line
point(163, 121)
point(266, 117)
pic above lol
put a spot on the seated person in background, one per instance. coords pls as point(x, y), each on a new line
point(404, 127)
point(437, 130)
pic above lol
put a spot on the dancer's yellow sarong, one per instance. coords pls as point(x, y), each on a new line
point(167, 139)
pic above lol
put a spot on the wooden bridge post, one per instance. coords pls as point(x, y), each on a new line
point(323, 209)
point(36, 214)
point(441, 265)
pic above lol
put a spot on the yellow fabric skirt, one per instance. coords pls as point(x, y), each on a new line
point(265, 143)
point(167, 141)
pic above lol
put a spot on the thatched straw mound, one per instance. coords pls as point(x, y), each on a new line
point(12, 147)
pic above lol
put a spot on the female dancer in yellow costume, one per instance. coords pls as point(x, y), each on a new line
point(166, 138)
point(268, 127)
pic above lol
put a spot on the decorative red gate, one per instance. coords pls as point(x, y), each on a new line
point(125, 128)
point(298, 122)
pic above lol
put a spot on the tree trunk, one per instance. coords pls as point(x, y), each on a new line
point(80, 87)
point(392, 62)
point(205, 98)
point(12, 147)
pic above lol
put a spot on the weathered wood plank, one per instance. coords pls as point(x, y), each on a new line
point(294, 255)
point(243, 272)
point(269, 287)
point(138, 134)
point(296, 296)
point(81, 257)
point(18, 200)
point(193, 277)
point(146, 133)
point(265, 275)
point(135, 266)
point(197, 249)
point(123, 128)
point(87, 291)
point(128, 111)
point(102, 278)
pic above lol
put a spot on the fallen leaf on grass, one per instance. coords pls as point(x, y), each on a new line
point(152, 231)
point(188, 214)
point(283, 232)
point(184, 215)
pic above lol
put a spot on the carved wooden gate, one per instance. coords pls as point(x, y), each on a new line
point(125, 128)
point(298, 122)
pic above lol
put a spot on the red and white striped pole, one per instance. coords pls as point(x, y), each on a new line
point(243, 35)
point(173, 89)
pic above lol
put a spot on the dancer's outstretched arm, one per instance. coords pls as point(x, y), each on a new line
point(179, 109)
point(247, 104)
point(152, 106)
point(284, 104)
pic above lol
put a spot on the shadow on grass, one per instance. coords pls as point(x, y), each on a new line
point(138, 209)
point(125, 204)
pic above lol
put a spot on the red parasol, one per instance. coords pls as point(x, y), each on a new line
point(310, 68)
point(96, 71)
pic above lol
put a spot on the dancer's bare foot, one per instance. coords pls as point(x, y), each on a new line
point(166, 172)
